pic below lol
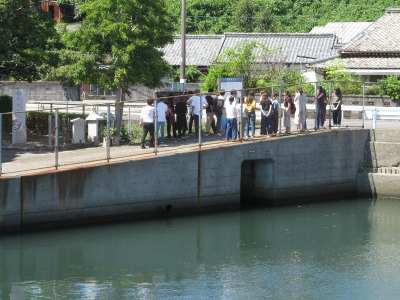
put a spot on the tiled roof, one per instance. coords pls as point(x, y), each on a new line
point(345, 31)
point(201, 50)
point(378, 63)
point(296, 47)
point(381, 36)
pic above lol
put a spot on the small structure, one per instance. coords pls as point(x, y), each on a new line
point(78, 131)
point(96, 124)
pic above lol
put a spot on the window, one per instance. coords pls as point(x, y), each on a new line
point(100, 91)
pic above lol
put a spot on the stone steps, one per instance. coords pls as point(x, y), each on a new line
point(382, 151)
point(384, 170)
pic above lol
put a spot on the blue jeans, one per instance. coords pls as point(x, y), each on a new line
point(252, 121)
point(231, 129)
point(162, 125)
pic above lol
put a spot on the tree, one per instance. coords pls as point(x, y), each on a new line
point(338, 73)
point(27, 38)
point(245, 11)
point(192, 73)
point(390, 86)
point(118, 45)
point(251, 61)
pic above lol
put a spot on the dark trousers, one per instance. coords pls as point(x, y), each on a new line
point(275, 121)
point(191, 119)
point(337, 116)
point(196, 119)
point(148, 128)
point(181, 124)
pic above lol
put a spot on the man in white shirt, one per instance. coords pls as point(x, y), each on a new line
point(198, 104)
point(147, 123)
point(162, 108)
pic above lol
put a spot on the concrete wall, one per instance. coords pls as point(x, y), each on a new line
point(380, 176)
point(10, 204)
point(272, 171)
point(46, 91)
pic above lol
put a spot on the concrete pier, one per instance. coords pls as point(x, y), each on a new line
point(322, 165)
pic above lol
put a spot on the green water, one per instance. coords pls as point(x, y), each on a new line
point(336, 250)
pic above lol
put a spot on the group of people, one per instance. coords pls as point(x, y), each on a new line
point(169, 115)
point(239, 114)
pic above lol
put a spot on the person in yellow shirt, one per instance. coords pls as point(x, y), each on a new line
point(250, 102)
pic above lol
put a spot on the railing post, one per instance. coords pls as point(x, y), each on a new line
point(374, 119)
point(315, 110)
point(156, 123)
point(108, 133)
point(280, 113)
point(50, 129)
point(330, 102)
point(129, 122)
point(1, 143)
point(56, 139)
point(200, 118)
point(363, 108)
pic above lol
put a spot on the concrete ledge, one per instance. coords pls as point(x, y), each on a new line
point(378, 185)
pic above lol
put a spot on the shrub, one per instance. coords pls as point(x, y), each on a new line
point(391, 86)
point(373, 90)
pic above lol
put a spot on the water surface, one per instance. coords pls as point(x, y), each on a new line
point(337, 250)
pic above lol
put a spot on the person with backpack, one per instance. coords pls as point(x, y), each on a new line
point(275, 113)
point(210, 123)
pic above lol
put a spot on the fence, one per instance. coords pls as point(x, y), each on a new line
point(63, 135)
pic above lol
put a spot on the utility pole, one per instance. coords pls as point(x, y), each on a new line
point(182, 85)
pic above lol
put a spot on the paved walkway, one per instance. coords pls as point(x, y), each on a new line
point(17, 161)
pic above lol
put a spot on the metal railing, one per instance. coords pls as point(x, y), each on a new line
point(56, 138)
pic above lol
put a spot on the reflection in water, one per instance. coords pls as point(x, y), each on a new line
point(334, 250)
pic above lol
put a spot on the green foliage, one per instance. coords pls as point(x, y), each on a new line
point(5, 107)
point(373, 90)
point(391, 86)
point(37, 121)
point(219, 16)
point(294, 79)
point(349, 84)
point(118, 44)
point(5, 104)
point(252, 61)
point(27, 40)
point(192, 75)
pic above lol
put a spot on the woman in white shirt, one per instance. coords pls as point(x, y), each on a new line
point(231, 119)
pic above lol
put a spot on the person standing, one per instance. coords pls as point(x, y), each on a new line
point(162, 109)
point(250, 104)
point(242, 122)
point(210, 123)
point(337, 107)
point(219, 109)
point(300, 101)
point(189, 104)
point(287, 110)
point(321, 107)
point(198, 104)
point(231, 119)
point(275, 113)
point(171, 120)
point(181, 112)
point(147, 123)
point(266, 115)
